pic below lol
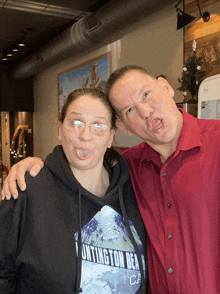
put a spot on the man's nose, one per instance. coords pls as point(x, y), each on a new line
point(144, 110)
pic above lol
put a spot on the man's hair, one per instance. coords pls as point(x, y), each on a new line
point(118, 73)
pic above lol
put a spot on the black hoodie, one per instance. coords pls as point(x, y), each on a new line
point(56, 220)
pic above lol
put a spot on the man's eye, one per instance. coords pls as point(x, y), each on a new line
point(145, 94)
point(128, 111)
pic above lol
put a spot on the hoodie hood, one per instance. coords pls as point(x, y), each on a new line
point(57, 163)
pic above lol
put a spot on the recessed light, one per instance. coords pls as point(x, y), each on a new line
point(15, 50)
point(21, 44)
point(9, 54)
point(4, 58)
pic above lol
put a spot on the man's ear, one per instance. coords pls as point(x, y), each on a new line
point(164, 83)
point(121, 126)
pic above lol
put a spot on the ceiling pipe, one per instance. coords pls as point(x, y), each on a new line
point(102, 27)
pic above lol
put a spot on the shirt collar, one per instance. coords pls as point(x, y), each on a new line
point(189, 138)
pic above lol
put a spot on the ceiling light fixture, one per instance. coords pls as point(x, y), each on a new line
point(9, 55)
point(21, 44)
point(15, 50)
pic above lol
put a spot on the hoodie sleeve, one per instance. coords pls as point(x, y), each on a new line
point(12, 219)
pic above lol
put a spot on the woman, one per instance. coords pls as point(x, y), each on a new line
point(77, 227)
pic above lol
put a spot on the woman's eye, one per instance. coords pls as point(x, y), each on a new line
point(76, 122)
point(97, 125)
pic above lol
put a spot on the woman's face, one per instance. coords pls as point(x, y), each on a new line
point(85, 148)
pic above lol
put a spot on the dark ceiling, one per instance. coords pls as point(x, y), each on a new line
point(36, 22)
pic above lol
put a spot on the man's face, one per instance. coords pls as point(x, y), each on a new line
point(146, 108)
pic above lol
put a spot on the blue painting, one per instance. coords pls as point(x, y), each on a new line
point(94, 74)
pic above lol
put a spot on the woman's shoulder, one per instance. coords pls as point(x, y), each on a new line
point(40, 184)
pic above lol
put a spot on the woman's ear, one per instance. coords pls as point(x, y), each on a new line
point(164, 83)
point(121, 126)
point(111, 138)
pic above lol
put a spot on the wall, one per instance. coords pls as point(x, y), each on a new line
point(153, 43)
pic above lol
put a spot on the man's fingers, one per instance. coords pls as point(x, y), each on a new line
point(17, 173)
point(12, 188)
point(20, 181)
point(5, 193)
point(35, 169)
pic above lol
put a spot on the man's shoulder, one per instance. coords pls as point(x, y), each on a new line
point(134, 153)
point(209, 126)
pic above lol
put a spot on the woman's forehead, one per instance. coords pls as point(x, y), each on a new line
point(87, 105)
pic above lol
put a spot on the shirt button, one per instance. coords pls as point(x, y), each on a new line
point(168, 204)
point(170, 270)
point(164, 174)
point(170, 236)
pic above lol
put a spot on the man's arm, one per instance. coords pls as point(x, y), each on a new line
point(17, 173)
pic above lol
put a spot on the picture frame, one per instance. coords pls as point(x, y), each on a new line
point(93, 73)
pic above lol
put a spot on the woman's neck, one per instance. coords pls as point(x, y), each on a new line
point(94, 180)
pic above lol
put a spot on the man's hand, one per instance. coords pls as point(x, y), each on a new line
point(17, 173)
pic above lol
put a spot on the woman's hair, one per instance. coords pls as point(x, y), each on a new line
point(111, 154)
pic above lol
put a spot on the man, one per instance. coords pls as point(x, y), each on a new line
point(176, 181)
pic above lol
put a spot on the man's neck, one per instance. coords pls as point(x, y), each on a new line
point(166, 149)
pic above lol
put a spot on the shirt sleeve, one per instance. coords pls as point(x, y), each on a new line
point(12, 219)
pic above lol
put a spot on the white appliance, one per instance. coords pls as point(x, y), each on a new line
point(209, 98)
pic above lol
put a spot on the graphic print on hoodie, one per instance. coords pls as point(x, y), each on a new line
point(109, 261)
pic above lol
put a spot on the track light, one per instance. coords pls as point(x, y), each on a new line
point(183, 18)
point(205, 16)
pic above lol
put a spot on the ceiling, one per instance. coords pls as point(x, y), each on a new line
point(36, 22)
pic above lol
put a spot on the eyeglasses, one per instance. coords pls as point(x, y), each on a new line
point(78, 126)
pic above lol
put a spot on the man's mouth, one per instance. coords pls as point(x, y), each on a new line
point(83, 153)
point(156, 124)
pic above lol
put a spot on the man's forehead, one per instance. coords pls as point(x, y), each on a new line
point(134, 78)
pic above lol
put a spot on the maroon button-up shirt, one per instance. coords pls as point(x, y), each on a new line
point(180, 205)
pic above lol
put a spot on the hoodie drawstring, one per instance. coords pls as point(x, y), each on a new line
point(79, 264)
point(124, 214)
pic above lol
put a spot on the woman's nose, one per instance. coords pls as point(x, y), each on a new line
point(86, 133)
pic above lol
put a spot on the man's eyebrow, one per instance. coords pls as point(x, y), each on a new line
point(138, 93)
point(123, 108)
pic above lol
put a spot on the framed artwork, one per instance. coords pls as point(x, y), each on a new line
point(92, 74)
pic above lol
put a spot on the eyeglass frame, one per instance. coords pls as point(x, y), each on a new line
point(84, 125)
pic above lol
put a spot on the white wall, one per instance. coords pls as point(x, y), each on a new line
point(153, 43)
